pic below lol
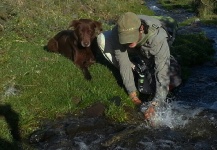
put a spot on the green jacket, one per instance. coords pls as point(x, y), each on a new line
point(152, 45)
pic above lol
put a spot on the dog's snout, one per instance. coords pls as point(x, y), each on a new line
point(85, 43)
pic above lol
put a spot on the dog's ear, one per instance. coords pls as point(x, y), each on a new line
point(98, 27)
point(74, 24)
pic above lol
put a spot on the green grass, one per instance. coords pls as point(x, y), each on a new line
point(199, 54)
point(174, 4)
point(49, 85)
point(192, 50)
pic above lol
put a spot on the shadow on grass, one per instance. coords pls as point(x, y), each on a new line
point(102, 60)
point(12, 119)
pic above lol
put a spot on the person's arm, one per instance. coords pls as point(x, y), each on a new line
point(125, 64)
point(126, 72)
point(162, 62)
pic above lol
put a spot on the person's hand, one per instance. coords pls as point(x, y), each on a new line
point(150, 112)
point(134, 98)
point(148, 109)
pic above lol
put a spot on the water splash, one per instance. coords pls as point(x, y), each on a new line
point(155, 8)
point(81, 144)
point(174, 114)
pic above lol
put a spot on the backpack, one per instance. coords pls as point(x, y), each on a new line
point(169, 24)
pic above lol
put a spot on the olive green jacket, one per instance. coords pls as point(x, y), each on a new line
point(156, 47)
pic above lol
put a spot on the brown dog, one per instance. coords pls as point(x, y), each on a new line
point(76, 44)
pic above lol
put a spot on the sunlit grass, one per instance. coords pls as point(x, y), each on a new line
point(48, 85)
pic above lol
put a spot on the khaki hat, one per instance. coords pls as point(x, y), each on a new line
point(128, 28)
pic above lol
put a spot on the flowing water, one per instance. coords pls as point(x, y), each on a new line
point(179, 14)
point(189, 120)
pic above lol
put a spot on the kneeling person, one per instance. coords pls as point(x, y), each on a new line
point(145, 37)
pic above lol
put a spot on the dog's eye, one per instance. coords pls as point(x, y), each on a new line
point(90, 31)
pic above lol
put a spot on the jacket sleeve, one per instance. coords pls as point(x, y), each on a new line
point(161, 53)
point(125, 69)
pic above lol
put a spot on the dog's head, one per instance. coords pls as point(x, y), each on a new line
point(86, 30)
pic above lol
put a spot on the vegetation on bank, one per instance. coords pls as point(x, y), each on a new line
point(38, 85)
point(206, 10)
point(189, 47)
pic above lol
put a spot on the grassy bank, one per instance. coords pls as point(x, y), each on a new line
point(37, 85)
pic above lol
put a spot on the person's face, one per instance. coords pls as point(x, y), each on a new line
point(132, 45)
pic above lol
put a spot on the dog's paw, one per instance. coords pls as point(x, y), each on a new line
point(86, 73)
point(88, 77)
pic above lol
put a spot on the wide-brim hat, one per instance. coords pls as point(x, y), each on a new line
point(128, 28)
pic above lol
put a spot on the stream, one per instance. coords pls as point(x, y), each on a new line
point(188, 122)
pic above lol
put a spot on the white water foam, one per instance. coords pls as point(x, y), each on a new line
point(174, 114)
point(81, 144)
point(155, 8)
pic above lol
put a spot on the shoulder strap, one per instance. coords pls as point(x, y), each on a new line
point(151, 31)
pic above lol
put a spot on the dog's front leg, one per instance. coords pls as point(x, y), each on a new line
point(86, 73)
point(80, 61)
